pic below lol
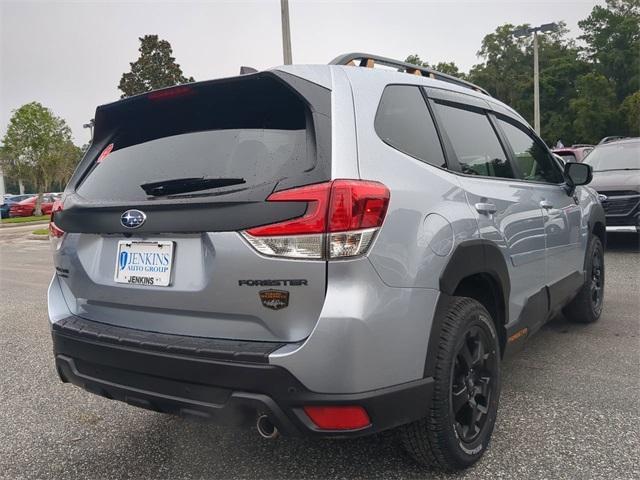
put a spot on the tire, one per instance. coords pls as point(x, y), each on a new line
point(586, 307)
point(440, 440)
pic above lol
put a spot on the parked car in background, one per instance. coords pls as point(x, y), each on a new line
point(574, 153)
point(27, 208)
point(613, 138)
point(616, 177)
point(9, 200)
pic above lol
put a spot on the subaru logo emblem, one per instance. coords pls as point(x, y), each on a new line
point(132, 218)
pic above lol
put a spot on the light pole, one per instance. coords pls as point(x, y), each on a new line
point(286, 32)
point(90, 125)
point(525, 32)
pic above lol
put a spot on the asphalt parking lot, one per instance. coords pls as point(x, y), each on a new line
point(570, 405)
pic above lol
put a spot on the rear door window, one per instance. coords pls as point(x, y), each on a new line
point(474, 142)
point(403, 121)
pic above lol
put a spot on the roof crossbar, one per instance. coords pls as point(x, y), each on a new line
point(368, 60)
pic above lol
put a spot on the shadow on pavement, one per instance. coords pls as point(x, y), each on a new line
point(623, 242)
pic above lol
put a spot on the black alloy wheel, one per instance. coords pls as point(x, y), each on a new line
point(472, 383)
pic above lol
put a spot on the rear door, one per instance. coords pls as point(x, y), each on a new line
point(154, 212)
point(564, 237)
point(507, 210)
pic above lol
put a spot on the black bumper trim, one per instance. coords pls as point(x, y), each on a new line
point(222, 391)
point(197, 346)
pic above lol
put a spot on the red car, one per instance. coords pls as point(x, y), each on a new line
point(574, 153)
point(27, 207)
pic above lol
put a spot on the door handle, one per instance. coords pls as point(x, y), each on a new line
point(486, 208)
point(546, 205)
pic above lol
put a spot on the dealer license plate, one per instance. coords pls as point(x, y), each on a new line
point(144, 263)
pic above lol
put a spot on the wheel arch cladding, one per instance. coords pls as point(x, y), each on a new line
point(476, 269)
point(598, 222)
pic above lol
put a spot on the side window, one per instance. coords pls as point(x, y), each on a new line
point(533, 159)
point(403, 121)
point(475, 142)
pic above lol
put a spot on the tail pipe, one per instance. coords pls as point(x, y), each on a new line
point(266, 428)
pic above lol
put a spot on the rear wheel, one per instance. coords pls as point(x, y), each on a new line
point(456, 432)
point(586, 307)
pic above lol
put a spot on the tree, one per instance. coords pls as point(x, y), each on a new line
point(155, 68)
point(505, 73)
point(416, 60)
point(37, 147)
point(630, 115)
point(594, 108)
point(450, 68)
point(612, 37)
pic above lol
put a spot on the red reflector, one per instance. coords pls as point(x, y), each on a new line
point(337, 206)
point(166, 93)
point(339, 417)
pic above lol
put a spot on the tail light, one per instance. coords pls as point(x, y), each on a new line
point(55, 232)
point(341, 221)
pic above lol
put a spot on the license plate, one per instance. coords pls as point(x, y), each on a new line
point(144, 263)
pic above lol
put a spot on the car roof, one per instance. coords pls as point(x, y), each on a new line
point(619, 142)
point(323, 75)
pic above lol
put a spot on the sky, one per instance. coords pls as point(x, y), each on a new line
point(70, 55)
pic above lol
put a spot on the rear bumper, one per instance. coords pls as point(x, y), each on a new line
point(213, 383)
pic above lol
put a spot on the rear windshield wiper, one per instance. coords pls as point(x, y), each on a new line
point(184, 185)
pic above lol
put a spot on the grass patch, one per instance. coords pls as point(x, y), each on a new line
point(41, 231)
point(25, 219)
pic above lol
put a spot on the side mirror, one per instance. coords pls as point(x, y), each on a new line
point(577, 173)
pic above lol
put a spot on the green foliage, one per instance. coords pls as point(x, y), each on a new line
point(612, 35)
point(594, 107)
point(450, 68)
point(630, 114)
point(416, 60)
point(155, 68)
point(39, 218)
point(586, 92)
point(37, 148)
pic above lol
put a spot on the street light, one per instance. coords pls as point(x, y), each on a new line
point(90, 126)
point(525, 32)
point(286, 32)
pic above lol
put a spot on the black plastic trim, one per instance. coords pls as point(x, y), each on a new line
point(469, 258)
point(222, 349)
point(223, 391)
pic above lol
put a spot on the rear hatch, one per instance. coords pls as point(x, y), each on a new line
point(154, 212)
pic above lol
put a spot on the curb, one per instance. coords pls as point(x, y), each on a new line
point(31, 236)
point(23, 224)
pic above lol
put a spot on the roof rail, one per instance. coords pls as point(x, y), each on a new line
point(368, 60)
point(613, 138)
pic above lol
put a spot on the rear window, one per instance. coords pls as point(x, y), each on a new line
point(568, 157)
point(615, 156)
point(259, 132)
point(403, 121)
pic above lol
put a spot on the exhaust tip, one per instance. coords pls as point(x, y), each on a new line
point(266, 428)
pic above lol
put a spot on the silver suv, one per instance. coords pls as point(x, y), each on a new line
point(327, 251)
